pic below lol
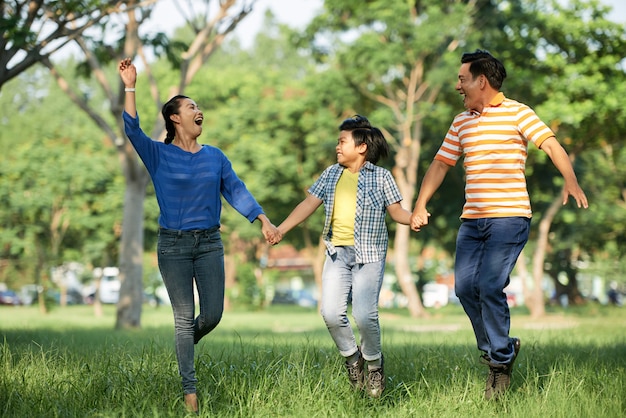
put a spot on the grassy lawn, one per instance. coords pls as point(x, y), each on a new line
point(282, 363)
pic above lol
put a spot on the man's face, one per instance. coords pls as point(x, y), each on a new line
point(469, 88)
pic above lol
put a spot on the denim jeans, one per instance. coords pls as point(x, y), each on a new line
point(486, 252)
point(343, 278)
point(185, 256)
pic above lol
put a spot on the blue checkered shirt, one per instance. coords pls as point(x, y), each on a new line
point(376, 189)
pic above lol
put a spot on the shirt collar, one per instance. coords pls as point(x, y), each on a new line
point(368, 166)
point(497, 100)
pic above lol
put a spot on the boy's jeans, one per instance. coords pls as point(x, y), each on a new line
point(486, 252)
point(343, 278)
point(185, 256)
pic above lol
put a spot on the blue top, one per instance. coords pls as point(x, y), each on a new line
point(376, 189)
point(188, 185)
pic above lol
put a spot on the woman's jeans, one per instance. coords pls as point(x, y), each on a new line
point(185, 256)
point(486, 252)
point(343, 277)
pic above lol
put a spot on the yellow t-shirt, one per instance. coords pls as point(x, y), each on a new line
point(344, 209)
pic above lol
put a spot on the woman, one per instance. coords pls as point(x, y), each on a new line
point(188, 180)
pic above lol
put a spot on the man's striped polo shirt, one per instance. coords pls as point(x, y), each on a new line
point(494, 145)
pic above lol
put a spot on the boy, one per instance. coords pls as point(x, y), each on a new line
point(356, 195)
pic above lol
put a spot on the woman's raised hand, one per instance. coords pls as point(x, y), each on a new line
point(128, 72)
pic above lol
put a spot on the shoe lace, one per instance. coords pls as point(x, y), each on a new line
point(376, 378)
point(354, 371)
point(501, 377)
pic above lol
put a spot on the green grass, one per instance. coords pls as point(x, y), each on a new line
point(282, 363)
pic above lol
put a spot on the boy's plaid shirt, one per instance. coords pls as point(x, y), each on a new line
point(376, 189)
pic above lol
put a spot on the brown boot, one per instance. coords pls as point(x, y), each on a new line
point(499, 378)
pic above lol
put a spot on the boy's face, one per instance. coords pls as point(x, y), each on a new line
point(347, 152)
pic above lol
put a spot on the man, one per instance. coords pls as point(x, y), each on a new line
point(492, 135)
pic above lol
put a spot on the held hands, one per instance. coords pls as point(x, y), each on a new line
point(419, 218)
point(272, 235)
point(128, 72)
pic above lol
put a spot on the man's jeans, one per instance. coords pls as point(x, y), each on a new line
point(185, 256)
point(486, 252)
point(343, 277)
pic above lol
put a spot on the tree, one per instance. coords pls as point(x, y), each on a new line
point(278, 124)
point(34, 30)
point(566, 61)
point(56, 184)
point(204, 33)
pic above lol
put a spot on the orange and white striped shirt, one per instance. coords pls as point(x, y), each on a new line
point(494, 145)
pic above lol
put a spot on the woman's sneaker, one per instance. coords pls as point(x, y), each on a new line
point(355, 372)
point(376, 380)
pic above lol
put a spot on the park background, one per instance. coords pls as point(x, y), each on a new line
point(75, 199)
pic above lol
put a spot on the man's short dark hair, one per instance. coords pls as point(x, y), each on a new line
point(483, 63)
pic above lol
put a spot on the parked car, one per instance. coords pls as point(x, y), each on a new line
point(435, 295)
point(301, 297)
point(9, 297)
point(110, 285)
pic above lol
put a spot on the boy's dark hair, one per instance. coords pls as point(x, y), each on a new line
point(363, 132)
point(483, 63)
point(172, 107)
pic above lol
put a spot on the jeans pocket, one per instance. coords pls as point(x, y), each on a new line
point(166, 244)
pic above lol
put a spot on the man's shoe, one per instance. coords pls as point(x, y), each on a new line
point(355, 372)
point(499, 378)
point(376, 380)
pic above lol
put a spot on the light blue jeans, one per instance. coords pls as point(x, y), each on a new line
point(486, 252)
point(185, 256)
point(343, 279)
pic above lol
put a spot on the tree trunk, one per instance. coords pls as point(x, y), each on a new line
point(131, 253)
point(230, 279)
point(562, 264)
point(522, 272)
point(536, 303)
point(405, 174)
point(41, 281)
point(403, 272)
point(318, 267)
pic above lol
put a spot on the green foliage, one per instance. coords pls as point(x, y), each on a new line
point(277, 124)
point(275, 108)
point(32, 30)
point(566, 61)
point(248, 293)
point(58, 185)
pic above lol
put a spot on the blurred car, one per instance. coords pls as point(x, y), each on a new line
point(110, 285)
point(435, 295)
point(9, 297)
point(302, 298)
